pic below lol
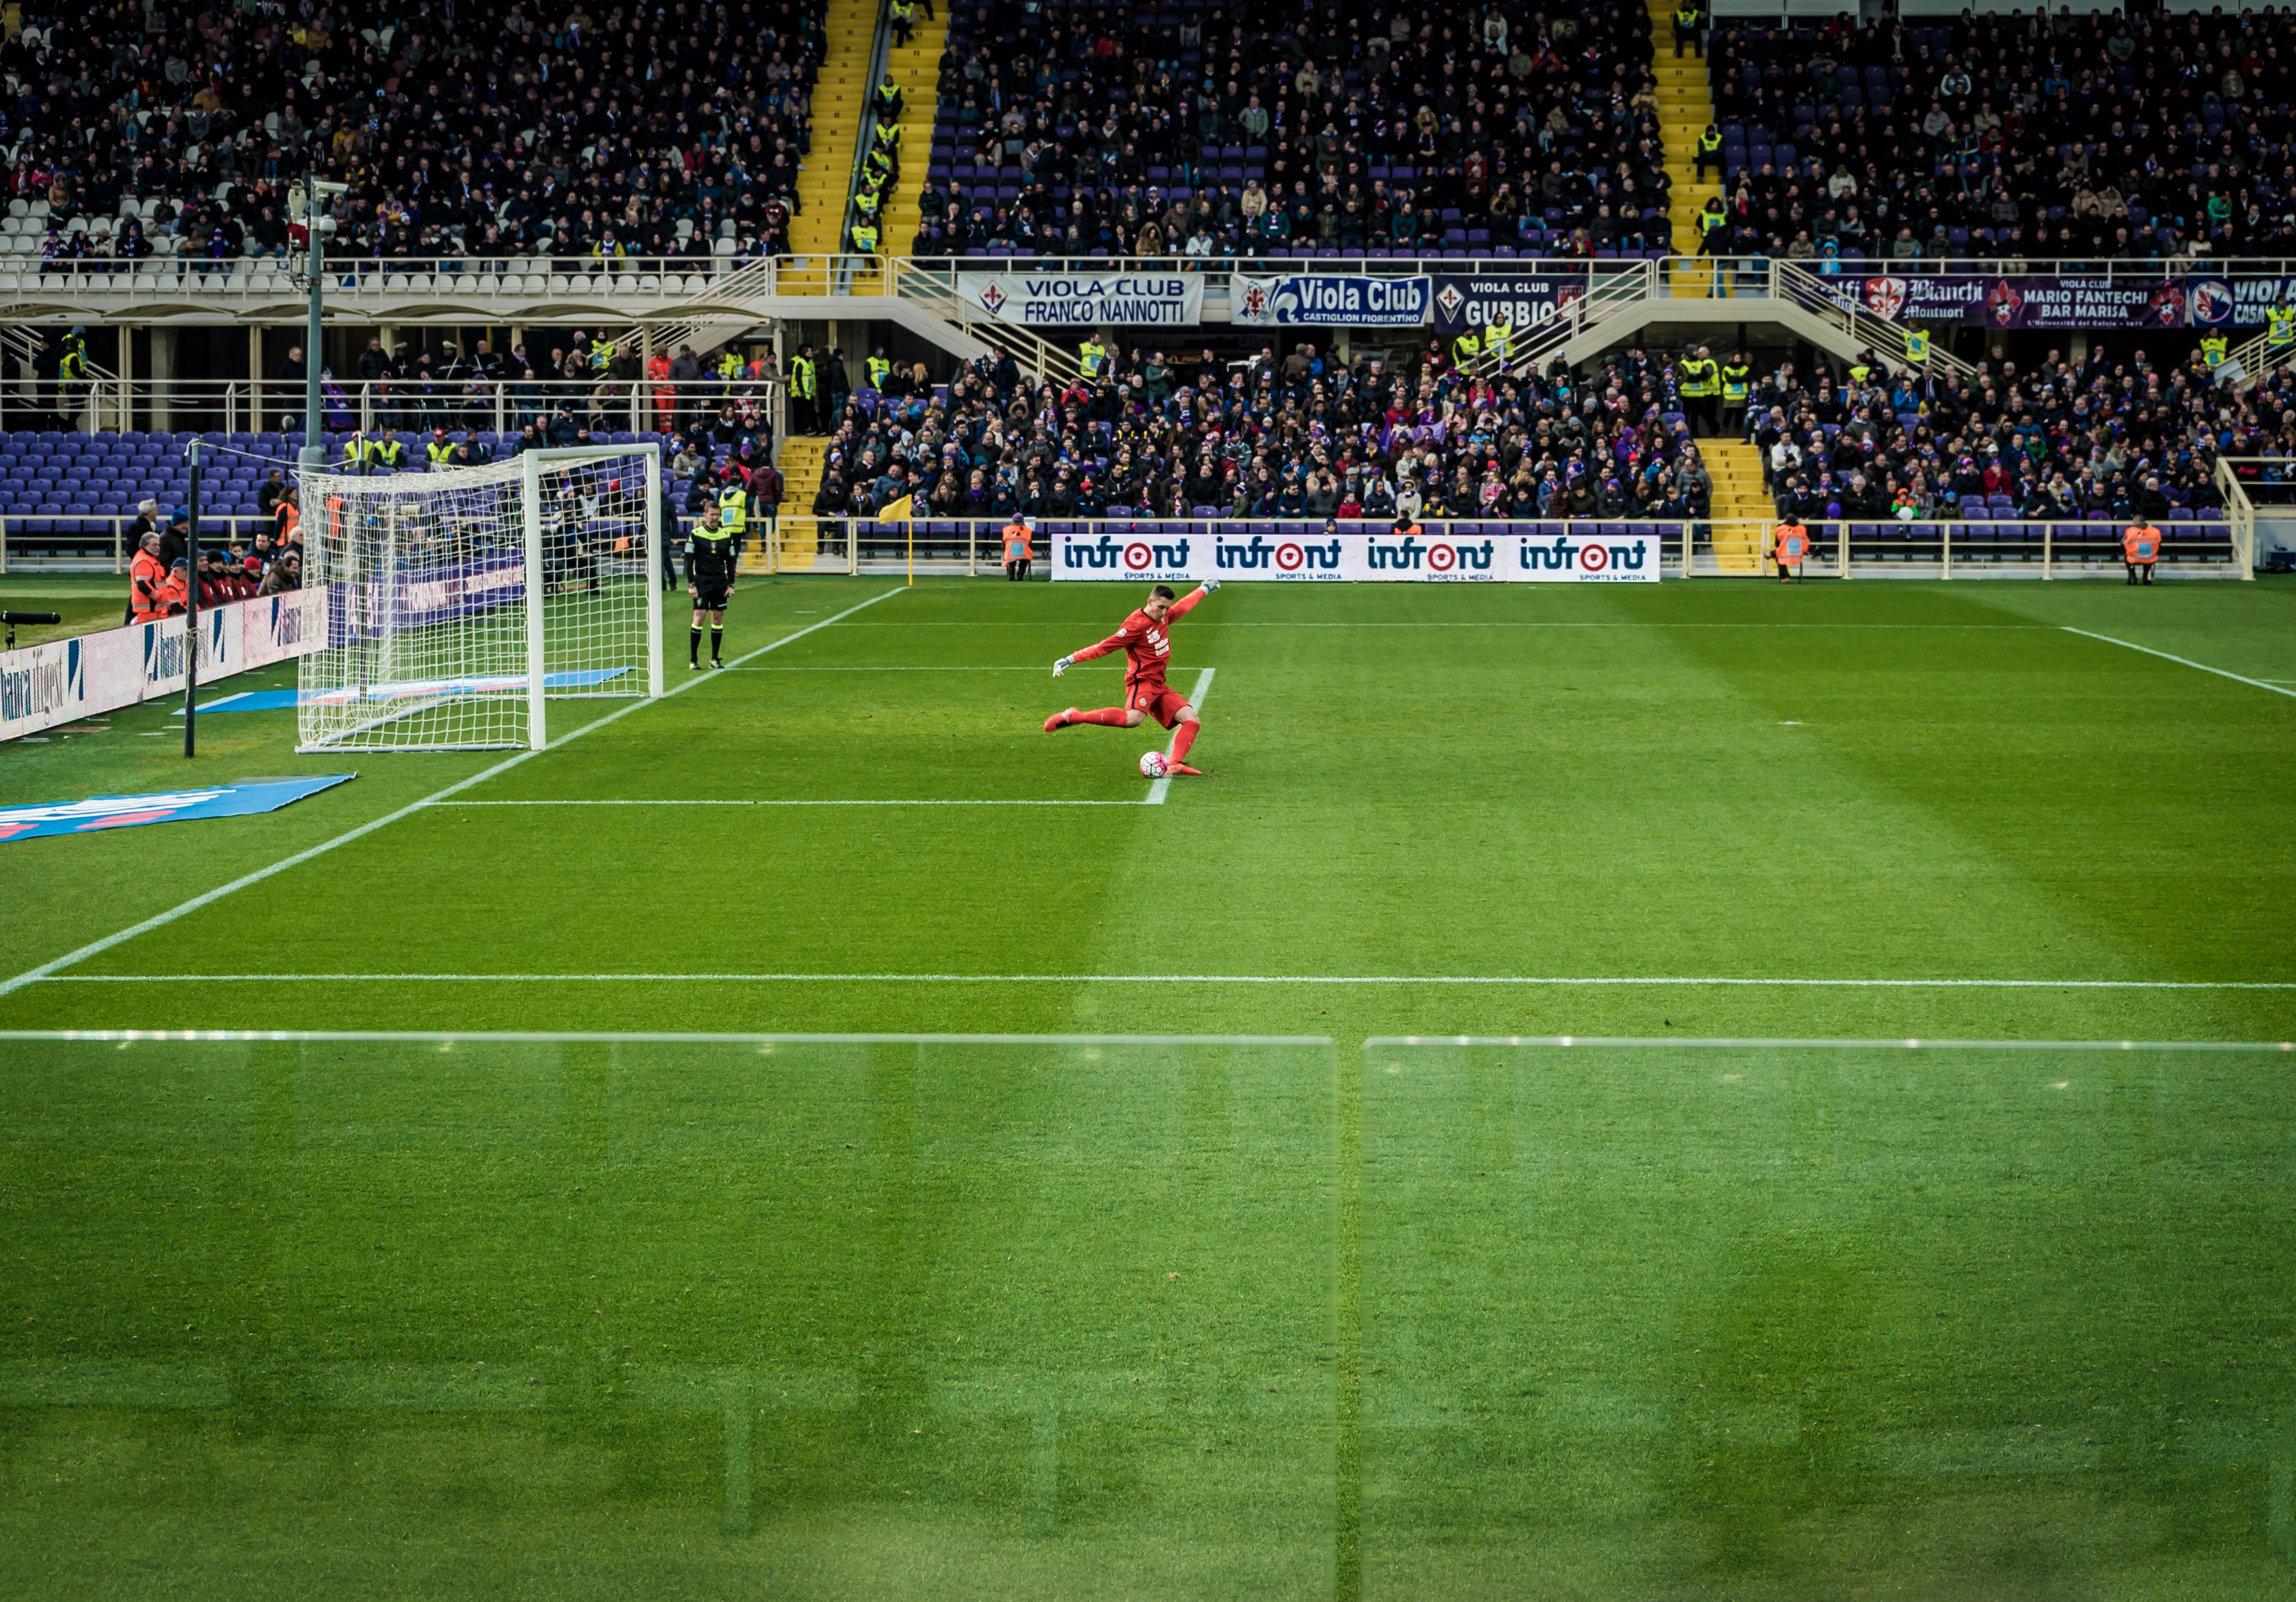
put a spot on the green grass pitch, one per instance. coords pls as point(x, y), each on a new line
point(1236, 1280)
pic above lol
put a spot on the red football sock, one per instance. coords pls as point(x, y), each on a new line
point(1183, 739)
point(1112, 716)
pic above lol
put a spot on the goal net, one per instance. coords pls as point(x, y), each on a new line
point(461, 602)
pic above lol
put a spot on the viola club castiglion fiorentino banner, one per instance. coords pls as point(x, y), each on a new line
point(1150, 552)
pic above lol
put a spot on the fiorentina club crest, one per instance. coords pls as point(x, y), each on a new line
point(993, 297)
point(1885, 297)
point(1449, 299)
point(1255, 303)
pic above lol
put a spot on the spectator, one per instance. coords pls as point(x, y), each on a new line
point(286, 574)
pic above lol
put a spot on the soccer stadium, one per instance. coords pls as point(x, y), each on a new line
point(997, 798)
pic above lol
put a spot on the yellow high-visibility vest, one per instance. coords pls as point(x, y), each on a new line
point(734, 508)
point(2279, 325)
point(2214, 348)
point(1700, 379)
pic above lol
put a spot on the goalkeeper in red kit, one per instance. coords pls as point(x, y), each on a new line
point(1146, 642)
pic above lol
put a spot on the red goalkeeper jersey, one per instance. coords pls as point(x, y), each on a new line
point(1146, 644)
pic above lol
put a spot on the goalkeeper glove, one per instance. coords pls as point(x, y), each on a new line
point(1063, 666)
point(1211, 585)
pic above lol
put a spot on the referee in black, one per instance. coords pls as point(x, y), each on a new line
point(710, 556)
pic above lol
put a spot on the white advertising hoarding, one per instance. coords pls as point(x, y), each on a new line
point(1088, 299)
point(42, 686)
point(1248, 552)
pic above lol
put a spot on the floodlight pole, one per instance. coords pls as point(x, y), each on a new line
point(316, 223)
point(192, 612)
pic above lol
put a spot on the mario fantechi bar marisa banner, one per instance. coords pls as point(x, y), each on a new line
point(1492, 553)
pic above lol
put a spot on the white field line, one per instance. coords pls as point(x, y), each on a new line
point(989, 803)
point(1741, 1043)
point(512, 1037)
point(1448, 979)
point(2236, 678)
point(1491, 622)
point(1157, 791)
point(161, 920)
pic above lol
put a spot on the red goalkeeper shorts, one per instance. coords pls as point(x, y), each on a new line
point(1158, 701)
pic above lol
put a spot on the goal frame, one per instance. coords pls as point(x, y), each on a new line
point(532, 466)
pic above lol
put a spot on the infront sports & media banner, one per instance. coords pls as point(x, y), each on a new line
point(1088, 299)
point(1432, 556)
point(42, 686)
point(100, 812)
point(1478, 299)
point(1348, 299)
point(2029, 301)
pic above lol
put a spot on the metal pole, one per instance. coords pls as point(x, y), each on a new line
point(192, 615)
point(315, 454)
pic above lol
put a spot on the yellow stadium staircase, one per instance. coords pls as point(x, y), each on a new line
point(800, 465)
point(916, 68)
point(1743, 511)
point(838, 94)
point(1685, 105)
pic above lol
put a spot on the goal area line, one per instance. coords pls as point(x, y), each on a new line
point(1499, 980)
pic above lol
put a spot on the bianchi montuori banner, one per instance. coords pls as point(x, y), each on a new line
point(1192, 553)
point(1088, 299)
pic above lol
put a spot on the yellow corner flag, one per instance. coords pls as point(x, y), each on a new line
point(904, 511)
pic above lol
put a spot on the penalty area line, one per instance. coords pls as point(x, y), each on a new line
point(1446, 979)
point(892, 802)
point(1162, 787)
point(2236, 678)
point(161, 920)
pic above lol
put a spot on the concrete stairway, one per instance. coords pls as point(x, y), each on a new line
point(1743, 511)
point(801, 464)
point(915, 67)
point(1685, 106)
point(818, 229)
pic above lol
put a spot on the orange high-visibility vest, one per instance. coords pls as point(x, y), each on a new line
point(1793, 543)
point(1016, 543)
point(2142, 541)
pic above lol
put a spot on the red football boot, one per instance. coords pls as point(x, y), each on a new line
point(1182, 767)
point(1060, 720)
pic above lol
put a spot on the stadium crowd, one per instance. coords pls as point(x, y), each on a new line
point(464, 130)
point(1379, 128)
point(166, 567)
point(2113, 434)
point(2037, 136)
point(1302, 436)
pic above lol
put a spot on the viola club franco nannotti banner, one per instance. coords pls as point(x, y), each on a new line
point(1088, 299)
point(1149, 554)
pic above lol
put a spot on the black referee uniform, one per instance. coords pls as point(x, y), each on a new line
point(710, 553)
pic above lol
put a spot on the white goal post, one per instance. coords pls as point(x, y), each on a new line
point(460, 603)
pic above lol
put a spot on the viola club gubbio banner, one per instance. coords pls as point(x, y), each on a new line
point(1244, 554)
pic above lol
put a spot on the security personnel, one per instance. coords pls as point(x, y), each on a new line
point(1702, 386)
point(878, 368)
point(1498, 340)
point(2213, 350)
point(146, 575)
point(734, 507)
point(1687, 20)
point(727, 368)
point(602, 354)
point(1466, 349)
point(2140, 547)
point(385, 451)
point(72, 377)
point(1862, 369)
point(712, 552)
point(2280, 326)
point(905, 21)
point(802, 383)
point(1092, 358)
point(1713, 223)
point(1792, 549)
point(887, 99)
point(1917, 347)
point(440, 451)
point(865, 237)
point(1737, 384)
point(1709, 149)
point(1019, 549)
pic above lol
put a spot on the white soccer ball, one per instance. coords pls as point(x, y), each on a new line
point(1151, 764)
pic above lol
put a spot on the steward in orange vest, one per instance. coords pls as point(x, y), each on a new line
point(1793, 549)
point(145, 579)
point(1019, 549)
point(2140, 544)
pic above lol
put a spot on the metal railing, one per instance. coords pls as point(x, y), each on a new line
point(1715, 547)
point(275, 405)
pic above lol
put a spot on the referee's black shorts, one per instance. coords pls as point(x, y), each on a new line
point(707, 599)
